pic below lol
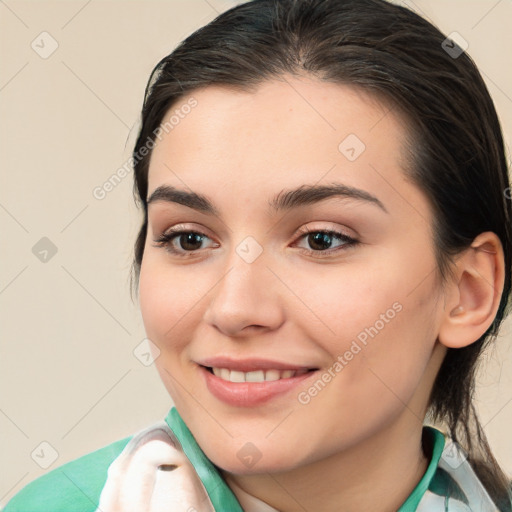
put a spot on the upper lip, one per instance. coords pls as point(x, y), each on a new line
point(252, 364)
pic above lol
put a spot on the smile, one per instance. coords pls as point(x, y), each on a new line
point(254, 387)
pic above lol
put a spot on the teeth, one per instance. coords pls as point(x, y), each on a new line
point(255, 376)
point(258, 376)
point(236, 376)
point(272, 375)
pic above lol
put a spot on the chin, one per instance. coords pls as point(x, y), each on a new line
point(251, 462)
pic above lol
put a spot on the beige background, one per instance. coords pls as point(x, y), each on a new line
point(68, 327)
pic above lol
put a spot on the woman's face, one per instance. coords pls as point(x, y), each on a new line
point(348, 329)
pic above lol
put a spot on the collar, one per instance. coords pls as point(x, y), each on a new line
point(225, 498)
point(437, 441)
point(220, 494)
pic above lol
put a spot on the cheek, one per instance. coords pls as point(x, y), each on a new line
point(168, 313)
point(343, 303)
point(378, 325)
point(166, 299)
point(371, 382)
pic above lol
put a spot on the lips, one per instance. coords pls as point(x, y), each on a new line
point(251, 382)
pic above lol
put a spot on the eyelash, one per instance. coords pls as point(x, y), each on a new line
point(165, 241)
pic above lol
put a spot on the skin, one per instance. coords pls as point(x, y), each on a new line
point(365, 425)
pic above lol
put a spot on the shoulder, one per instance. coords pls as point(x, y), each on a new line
point(75, 485)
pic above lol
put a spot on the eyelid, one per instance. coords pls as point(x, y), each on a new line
point(343, 231)
point(183, 227)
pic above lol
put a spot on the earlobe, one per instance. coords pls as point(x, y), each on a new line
point(475, 298)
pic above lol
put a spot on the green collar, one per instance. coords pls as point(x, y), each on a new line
point(222, 496)
point(438, 442)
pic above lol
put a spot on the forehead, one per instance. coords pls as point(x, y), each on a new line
point(306, 107)
point(284, 133)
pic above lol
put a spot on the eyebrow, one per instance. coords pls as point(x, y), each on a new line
point(284, 201)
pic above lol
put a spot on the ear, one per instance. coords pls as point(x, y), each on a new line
point(472, 300)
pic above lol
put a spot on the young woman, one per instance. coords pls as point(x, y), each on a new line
point(325, 253)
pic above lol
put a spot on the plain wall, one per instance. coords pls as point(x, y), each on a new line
point(68, 373)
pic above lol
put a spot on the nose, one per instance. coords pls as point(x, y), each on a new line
point(247, 298)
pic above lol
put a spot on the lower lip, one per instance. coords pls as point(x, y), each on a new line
point(249, 394)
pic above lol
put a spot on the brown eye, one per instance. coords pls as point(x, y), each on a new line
point(320, 242)
point(182, 242)
point(189, 241)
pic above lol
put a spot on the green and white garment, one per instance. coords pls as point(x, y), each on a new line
point(98, 482)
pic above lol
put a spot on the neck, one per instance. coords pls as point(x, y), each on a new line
point(377, 474)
